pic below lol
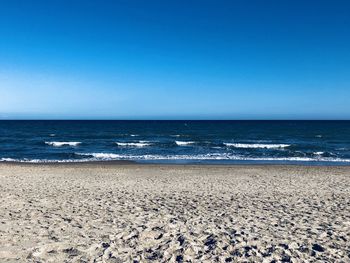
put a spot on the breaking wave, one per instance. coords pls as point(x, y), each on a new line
point(256, 145)
point(87, 157)
point(183, 143)
point(59, 144)
point(134, 144)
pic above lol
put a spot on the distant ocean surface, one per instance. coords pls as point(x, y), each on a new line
point(221, 142)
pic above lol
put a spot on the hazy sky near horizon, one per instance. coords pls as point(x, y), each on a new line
point(174, 59)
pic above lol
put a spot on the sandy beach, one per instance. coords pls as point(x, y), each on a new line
point(174, 213)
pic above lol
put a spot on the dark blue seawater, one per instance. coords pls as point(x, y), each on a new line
point(308, 142)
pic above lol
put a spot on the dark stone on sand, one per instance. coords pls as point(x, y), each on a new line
point(229, 259)
point(268, 251)
point(286, 258)
point(181, 240)
point(210, 242)
point(285, 246)
point(317, 248)
point(303, 249)
point(105, 245)
point(179, 258)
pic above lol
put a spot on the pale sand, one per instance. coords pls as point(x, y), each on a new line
point(150, 213)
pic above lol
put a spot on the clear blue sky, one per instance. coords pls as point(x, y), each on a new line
point(180, 59)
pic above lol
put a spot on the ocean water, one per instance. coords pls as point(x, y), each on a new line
point(221, 142)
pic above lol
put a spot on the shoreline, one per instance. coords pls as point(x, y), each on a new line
point(170, 164)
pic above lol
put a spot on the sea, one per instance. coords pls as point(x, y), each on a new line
point(177, 142)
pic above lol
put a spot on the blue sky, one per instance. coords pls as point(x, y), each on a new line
point(174, 59)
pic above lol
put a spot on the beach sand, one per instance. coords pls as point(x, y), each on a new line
point(174, 213)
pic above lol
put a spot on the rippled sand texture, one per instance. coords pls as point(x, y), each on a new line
point(132, 213)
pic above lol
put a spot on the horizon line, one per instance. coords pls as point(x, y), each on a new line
point(174, 119)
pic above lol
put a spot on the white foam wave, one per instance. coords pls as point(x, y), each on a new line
point(150, 157)
point(134, 144)
point(318, 153)
point(209, 156)
point(112, 156)
point(183, 143)
point(104, 156)
point(7, 160)
point(256, 145)
point(59, 144)
point(299, 159)
point(134, 135)
point(26, 160)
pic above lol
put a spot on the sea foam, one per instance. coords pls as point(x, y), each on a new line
point(104, 156)
point(134, 144)
point(182, 143)
point(155, 157)
point(59, 144)
point(208, 156)
point(256, 145)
